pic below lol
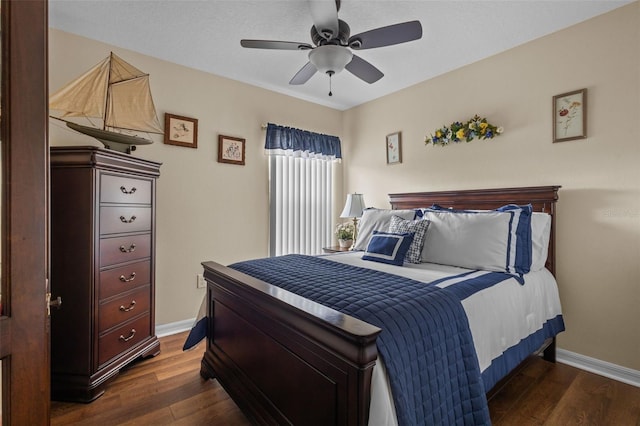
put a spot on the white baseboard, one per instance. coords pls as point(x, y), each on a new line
point(602, 368)
point(174, 327)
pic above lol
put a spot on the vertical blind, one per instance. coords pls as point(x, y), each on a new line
point(300, 189)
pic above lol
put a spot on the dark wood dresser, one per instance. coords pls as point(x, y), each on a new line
point(102, 266)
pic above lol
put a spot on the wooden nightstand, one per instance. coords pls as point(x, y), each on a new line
point(334, 249)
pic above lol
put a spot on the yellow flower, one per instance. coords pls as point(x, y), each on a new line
point(483, 126)
point(460, 134)
point(438, 134)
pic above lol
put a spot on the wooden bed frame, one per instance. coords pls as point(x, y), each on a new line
point(287, 360)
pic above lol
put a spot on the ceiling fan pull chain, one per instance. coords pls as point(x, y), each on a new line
point(330, 74)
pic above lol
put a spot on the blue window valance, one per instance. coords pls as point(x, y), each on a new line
point(301, 143)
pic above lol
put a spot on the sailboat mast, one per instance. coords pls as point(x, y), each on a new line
point(106, 98)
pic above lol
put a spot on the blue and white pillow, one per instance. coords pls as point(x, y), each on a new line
point(495, 240)
point(524, 250)
point(387, 247)
point(540, 231)
point(419, 228)
point(377, 220)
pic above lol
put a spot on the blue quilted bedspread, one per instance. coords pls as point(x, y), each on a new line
point(425, 341)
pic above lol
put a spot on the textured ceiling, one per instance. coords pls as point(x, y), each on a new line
point(205, 35)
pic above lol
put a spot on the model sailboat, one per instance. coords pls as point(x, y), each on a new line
point(116, 92)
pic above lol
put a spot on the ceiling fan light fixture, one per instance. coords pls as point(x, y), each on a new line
point(330, 58)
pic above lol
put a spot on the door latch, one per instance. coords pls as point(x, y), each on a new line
point(57, 303)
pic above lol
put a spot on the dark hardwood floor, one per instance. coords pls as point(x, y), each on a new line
point(168, 389)
point(165, 390)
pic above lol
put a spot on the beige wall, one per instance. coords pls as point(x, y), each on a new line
point(206, 210)
point(201, 216)
point(599, 208)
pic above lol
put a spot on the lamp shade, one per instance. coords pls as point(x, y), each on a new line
point(353, 206)
point(330, 58)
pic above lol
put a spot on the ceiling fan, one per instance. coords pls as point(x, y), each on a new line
point(333, 44)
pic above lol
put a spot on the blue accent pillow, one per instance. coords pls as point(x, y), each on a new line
point(387, 247)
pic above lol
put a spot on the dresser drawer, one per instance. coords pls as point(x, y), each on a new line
point(114, 220)
point(123, 338)
point(123, 308)
point(124, 278)
point(124, 249)
point(121, 189)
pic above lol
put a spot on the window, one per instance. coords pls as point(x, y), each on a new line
point(301, 168)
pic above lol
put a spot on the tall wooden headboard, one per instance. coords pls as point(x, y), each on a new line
point(542, 198)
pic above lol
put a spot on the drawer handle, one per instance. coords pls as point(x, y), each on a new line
point(130, 308)
point(124, 190)
point(125, 220)
point(126, 280)
point(131, 249)
point(131, 334)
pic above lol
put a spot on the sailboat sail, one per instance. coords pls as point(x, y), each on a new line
point(85, 96)
point(115, 91)
point(131, 106)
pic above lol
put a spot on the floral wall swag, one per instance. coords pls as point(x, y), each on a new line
point(457, 132)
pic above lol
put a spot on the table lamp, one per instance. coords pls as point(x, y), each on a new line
point(353, 208)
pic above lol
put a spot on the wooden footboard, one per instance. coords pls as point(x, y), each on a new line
point(284, 359)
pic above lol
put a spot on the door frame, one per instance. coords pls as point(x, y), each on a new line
point(24, 331)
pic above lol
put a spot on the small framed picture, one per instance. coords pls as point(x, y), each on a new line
point(181, 131)
point(230, 150)
point(570, 116)
point(394, 148)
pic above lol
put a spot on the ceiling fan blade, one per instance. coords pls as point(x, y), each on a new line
point(272, 44)
point(304, 74)
point(387, 36)
point(324, 14)
point(364, 70)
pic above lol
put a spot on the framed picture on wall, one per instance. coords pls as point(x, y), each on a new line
point(394, 148)
point(230, 150)
point(570, 116)
point(181, 131)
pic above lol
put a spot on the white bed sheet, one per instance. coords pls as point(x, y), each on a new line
point(499, 317)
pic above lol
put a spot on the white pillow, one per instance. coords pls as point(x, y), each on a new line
point(475, 240)
point(377, 220)
point(540, 234)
